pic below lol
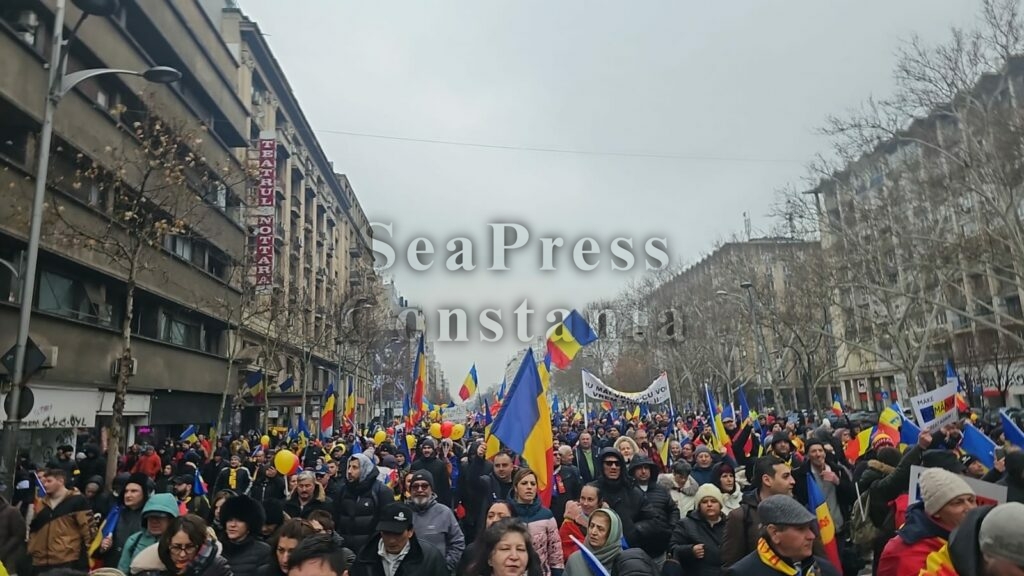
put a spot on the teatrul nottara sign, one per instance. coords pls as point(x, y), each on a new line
point(264, 213)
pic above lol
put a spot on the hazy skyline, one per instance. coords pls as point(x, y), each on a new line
point(595, 119)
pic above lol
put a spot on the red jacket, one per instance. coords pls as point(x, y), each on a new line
point(570, 528)
point(149, 465)
point(907, 552)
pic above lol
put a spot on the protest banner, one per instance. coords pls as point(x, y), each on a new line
point(937, 408)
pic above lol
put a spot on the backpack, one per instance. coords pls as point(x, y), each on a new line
point(863, 531)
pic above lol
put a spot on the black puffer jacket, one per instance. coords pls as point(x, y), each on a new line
point(664, 507)
point(634, 562)
point(358, 506)
point(691, 531)
point(265, 488)
point(420, 561)
point(247, 556)
point(640, 523)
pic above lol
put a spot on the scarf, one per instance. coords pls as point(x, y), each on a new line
point(769, 558)
point(607, 554)
point(233, 478)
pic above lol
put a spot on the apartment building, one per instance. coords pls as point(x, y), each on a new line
point(189, 348)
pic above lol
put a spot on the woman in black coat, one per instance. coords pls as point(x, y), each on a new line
point(697, 538)
point(242, 519)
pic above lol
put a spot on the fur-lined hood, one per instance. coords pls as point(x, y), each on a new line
point(881, 467)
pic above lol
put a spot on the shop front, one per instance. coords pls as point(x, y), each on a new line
point(59, 415)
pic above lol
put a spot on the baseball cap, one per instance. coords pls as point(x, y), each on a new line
point(395, 518)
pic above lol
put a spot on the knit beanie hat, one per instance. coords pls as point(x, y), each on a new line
point(1002, 533)
point(938, 487)
point(709, 490)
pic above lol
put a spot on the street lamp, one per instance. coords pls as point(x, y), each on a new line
point(58, 85)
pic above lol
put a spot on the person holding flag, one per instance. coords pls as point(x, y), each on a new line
point(60, 531)
point(786, 545)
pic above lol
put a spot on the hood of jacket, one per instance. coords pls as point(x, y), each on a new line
point(963, 542)
point(623, 479)
point(880, 467)
point(367, 471)
point(148, 560)
point(919, 526)
point(161, 504)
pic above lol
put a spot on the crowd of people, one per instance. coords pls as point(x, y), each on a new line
point(627, 498)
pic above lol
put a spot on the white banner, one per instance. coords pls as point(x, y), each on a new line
point(987, 493)
point(937, 408)
point(656, 393)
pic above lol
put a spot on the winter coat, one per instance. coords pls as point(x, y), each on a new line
point(566, 486)
point(61, 534)
point(906, 552)
point(294, 508)
point(247, 556)
point(492, 489)
point(242, 480)
point(543, 533)
point(846, 494)
point(264, 488)
point(742, 530)
point(878, 508)
point(435, 525)
point(438, 469)
point(12, 538)
point(587, 474)
point(640, 522)
point(702, 475)
point(129, 522)
point(752, 565)
point(358, 507)
point(208, 562)
point(683, 497)
point(962, 553)
point(421, 560)
point(665, 507)
point(157, 504)
point(148, 464)
point(472, 469)
point(693, 530)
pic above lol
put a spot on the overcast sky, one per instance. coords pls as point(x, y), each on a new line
point(682, 115)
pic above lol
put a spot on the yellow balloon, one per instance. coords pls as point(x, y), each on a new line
point(410, 441)
point(458, 431)
point(435, 430)
point(265, 440)
point(286, 462)
point(379, 437)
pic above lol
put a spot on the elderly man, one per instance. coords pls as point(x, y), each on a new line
point(434, 523)
point(309, 496)
point(786, 545)
point(567, 483)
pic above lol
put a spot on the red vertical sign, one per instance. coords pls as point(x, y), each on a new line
point(264, 212)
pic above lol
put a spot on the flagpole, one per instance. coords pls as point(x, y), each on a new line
point(583, 388)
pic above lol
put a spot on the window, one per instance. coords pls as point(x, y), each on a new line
point(73, 298)
point(180, 246)
point(181, 331)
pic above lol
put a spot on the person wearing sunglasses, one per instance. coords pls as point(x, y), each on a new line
point(641, 525)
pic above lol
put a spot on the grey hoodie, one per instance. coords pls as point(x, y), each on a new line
point(435, 524)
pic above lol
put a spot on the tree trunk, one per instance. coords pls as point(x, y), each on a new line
point(124, 374)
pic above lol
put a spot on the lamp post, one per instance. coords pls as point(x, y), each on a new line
point(58, 85)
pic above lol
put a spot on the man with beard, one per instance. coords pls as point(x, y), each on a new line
point(187, 502)
point(586, 458)
point(475, 466)
point(360, 501)
point(640, 524)
point(496, 485)
point(434, 523)
point(438, 469)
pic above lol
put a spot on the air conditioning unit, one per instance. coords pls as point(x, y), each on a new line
point(115, 368)
point(51, 356)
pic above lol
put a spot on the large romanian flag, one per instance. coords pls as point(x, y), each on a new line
point(327, 412)
point(723, 444)
point(522, 426)
point(567, 338)
point(469, 384)
point(419, 378)
point(827, 529)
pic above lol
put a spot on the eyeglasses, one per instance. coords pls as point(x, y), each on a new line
point(183, 548)
point(612, 464)
point(420, 486)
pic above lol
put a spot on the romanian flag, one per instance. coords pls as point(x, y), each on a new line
point(951, 376)
point(723, 444)
point(837, 404)
point(327, 412)
point(350, 406)
point(419, 378)
point(254, 387)
point(189, 435)
point(939, 563)
point(490, 440)
point(858, 445)
point(889, 422)
point(567, 338)
point(106, 529)
point(524, 423)
point(606, 406)
point(827, 529)
point(469, 385)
